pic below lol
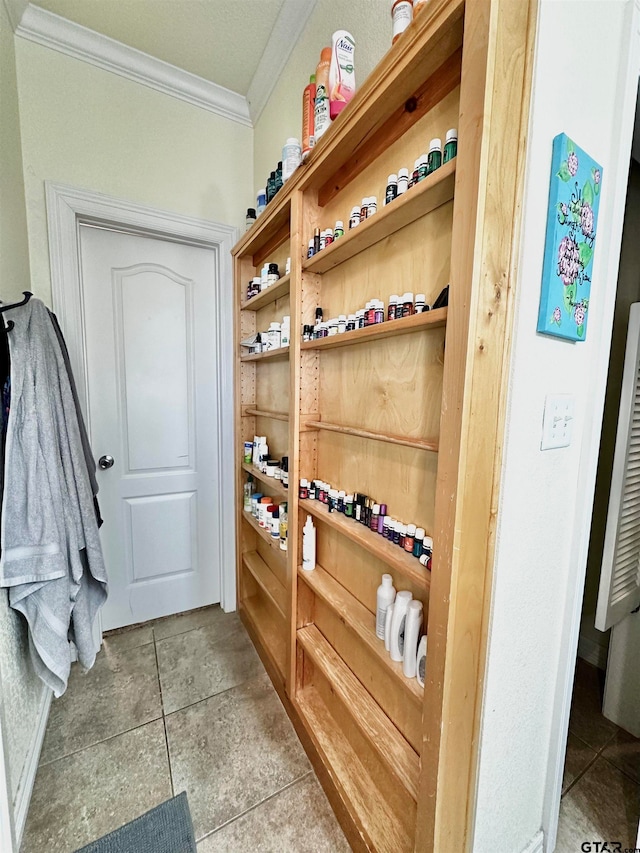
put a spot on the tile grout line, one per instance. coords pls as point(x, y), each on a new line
point(256, 805)
point(599, 753)
point(164, 719)
point(215, 695)
point(99, 742)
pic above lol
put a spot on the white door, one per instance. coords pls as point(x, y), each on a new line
point(619, 594)
point(149, 309)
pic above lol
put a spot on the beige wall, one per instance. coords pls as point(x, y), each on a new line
point(93, 129)
point(14, 253)
point(20, 689)
point(369, 21)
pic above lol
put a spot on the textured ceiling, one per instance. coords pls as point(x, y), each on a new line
point(219, 40)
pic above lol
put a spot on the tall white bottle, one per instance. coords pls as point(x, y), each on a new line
point(308, 545)
point(387, 627)
point(413, 625)
point(400, 606)
point(385, 597)
point(421, 661)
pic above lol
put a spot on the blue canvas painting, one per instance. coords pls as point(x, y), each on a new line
point(572, 222)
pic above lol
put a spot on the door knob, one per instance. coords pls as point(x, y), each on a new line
point(106, 462)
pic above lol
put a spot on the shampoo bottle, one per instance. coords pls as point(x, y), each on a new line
point(411, 636)
point(398, 621)
point(421, 661)
point(385, 597)
point(387, 628)
point(321, 117)
point(342, 77)
point(308, 545)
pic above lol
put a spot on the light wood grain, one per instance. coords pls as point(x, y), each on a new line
point(266, 580)
point(429, 194)
point(376, 726)
point(261, 615)
point(280, 288)
point(496, 80)
point(263, 534)
point(418, 443)
point(272, 486)
point(270, 355)
point(415, 323)
point(251, 411)
point(362, 622)
point(398, 126)
point(381, 828)
point(381, 548)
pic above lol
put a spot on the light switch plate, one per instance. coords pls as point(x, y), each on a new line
point(557, 424)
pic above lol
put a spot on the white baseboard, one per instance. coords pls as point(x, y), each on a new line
point(536, 845)
point(592, 652)
point(25, 786)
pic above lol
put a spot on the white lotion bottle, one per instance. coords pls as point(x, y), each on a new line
point(400, 606)
point(308, 545)
point(385, 597)
point(413, 624)
point(421, 661)
point(387, 628)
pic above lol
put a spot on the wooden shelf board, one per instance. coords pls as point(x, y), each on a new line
point(362, 623)
point(377, 821)
point(435, 190)
point(272, 638)
point(265, 297)
point(418, 443)
point(249, 411)
point(267, 226)
point(267, 581)
point(273, 543)
point(390, 328)
point(372, 542)
point(276, 489)
point(377, 728)
point(272, 354)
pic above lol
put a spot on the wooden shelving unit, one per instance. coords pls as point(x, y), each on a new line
point(269, 355)
point(392, 411)
point(429, 194)
point(390, 329)
point(265, 297)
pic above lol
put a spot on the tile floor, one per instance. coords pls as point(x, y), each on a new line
point(179, 704)
point(601, 785)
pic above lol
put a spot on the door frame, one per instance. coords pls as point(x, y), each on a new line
point(67, 208)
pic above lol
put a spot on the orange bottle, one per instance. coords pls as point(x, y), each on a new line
point(322, 118)
point(308, 121)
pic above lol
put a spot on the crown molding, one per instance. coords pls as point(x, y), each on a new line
point(50, 30)
point(290, 23)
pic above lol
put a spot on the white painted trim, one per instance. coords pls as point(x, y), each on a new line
point(288, 28)
point(66, 207)
point(592, 652)
point(618, 177)
point(22, 796)
point(7, 819)
point(536, 845)
point(50, 30)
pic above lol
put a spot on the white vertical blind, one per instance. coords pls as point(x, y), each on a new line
point(619, 590)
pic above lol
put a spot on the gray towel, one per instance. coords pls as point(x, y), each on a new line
point(51, 554)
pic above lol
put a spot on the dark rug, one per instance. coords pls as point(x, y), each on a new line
point(165, 829)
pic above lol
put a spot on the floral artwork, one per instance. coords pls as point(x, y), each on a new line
point(574, 198)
